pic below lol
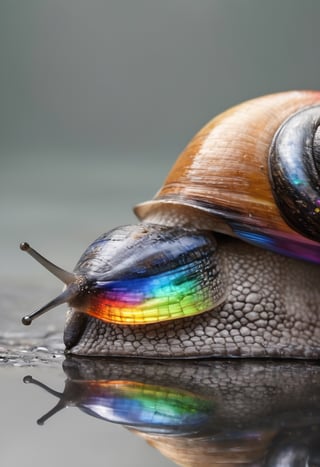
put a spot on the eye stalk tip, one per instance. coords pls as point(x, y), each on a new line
point(28, 379)
point(26, 320)
point(64, 276)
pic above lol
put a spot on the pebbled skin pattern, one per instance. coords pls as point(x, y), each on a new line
point(272, 310)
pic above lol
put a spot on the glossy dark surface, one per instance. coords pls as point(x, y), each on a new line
point(294, 172)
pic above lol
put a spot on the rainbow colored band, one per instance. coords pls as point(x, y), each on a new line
point(174, 294)
point(146, 406)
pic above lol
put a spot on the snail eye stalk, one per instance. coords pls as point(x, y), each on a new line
point(65, 276)
point(59, 406)
point(71, 280)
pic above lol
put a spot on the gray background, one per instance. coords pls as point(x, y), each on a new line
point(97, 99)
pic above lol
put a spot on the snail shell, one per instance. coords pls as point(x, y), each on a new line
point(226, 181)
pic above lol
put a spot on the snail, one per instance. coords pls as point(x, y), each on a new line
point(225, 261)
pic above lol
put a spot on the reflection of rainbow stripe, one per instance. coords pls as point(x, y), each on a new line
point(170, 295)
point(146, 406)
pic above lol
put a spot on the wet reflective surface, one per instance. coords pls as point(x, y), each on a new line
point(194, 413)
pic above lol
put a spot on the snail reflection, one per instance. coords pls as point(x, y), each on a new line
point(147, 407)
point(205, 413)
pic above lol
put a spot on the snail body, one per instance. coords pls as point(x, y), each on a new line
point(169, 287)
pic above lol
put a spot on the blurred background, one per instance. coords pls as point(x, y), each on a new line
point(98, 98)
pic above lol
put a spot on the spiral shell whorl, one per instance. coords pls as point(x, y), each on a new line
point(294, 171)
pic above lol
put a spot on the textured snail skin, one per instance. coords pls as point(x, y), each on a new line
point(221, 183)
point(272, 310)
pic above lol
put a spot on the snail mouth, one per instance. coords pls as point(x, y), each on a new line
point(76, 324)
